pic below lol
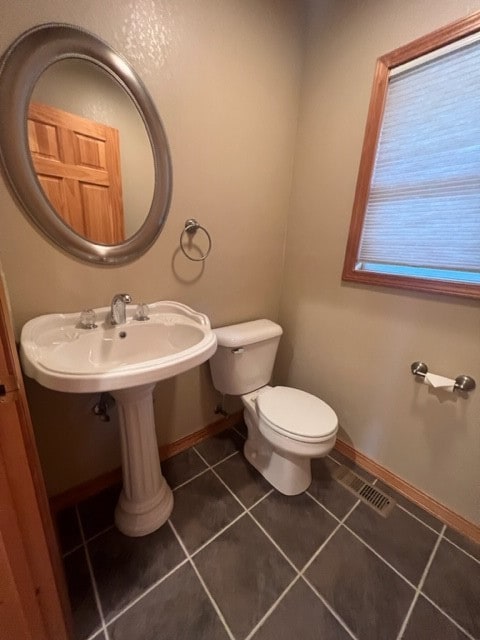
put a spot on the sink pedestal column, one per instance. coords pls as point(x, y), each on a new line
point(146, 500)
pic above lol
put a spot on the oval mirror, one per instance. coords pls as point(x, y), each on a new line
point(82, 145)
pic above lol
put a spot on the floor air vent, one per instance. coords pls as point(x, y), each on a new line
point(378, 500)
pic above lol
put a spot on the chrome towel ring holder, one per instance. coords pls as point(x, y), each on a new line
point(190, 229)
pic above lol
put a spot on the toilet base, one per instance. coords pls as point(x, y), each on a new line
point(289, 475)
point(284, 463)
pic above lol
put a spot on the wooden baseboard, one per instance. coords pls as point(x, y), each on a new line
point(92, 487)
point(423, 500)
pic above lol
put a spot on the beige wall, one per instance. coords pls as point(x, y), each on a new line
point(353, 345)
point(225, 77)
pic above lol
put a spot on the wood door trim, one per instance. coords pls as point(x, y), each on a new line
point(27, 488)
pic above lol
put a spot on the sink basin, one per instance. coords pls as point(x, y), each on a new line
point(62, 356)
point(127, 360)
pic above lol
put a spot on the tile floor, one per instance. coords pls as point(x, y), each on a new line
point(239, 560)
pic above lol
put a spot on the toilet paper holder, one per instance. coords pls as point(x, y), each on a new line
point(462, 383)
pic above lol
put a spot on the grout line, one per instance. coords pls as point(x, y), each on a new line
point(273, 607)
point(239, 433)
point(70, 551)
point(202, 582)
point(147, 591)
point(96, 535)
point(420, 584)
point(330, 513)
point(197, 475)
point(261, 499)
point(469, 555)
point(312, 559)
point(216, 535)
point(412, 515)
point(230, 455)
point(340, 522)
point(207, 468)
point(92, 577)
point(202, 458)
point(379, 556)
point(279, 549)
point(87, 540)
point(299, 575)
point(255, 520)
point(211, 466)
point(328, 606)
point(454, 622)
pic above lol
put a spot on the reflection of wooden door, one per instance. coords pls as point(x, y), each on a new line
point(30, 576)
point(77, 162)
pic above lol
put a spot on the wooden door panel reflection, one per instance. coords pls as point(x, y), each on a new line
point(77, 162)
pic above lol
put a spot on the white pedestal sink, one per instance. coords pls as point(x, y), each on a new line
point(127, 360)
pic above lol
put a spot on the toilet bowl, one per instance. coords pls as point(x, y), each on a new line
point(287, 427)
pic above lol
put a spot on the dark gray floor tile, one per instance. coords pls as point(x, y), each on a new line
point(363, 590)
point(220, 446)
point(97, 512)
point(296, 523)
point(68, 530)
point(471, 547)
point(243, 479)
point(244, 573)
point(427, 622)
point(86, 618)
point(301, 615)
point(124, 567)
point(241, 427)
point(99, 636)
point(403, 541)
point(201, 508)
point(177, 609)
point(182, 467)
point(453, 583)
point(417, 511)
point(327, 490)
point(342, 459)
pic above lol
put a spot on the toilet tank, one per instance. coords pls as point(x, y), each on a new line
point(245, 356)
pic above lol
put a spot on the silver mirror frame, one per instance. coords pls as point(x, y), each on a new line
point(20, 68)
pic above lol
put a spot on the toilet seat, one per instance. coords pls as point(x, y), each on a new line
point(296, 414)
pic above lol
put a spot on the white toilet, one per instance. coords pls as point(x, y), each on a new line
point(286, 427)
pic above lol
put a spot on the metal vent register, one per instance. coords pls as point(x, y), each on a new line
point(379, 501)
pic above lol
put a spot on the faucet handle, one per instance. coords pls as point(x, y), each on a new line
point(142, 312)
point(87, 319)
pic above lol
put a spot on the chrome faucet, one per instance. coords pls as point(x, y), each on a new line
point(118, 308)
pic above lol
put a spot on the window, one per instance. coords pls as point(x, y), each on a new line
point(416, 216)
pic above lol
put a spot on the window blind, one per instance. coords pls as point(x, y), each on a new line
point(423, 212)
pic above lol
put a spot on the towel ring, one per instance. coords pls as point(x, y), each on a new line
point(191, 228)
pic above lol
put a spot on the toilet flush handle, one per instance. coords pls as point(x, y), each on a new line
point(237, 350)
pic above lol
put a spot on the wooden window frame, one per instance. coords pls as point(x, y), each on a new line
point(426, 44)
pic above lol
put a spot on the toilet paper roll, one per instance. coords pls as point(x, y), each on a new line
point(439, 382)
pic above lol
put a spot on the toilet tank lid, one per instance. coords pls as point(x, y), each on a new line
point(239, 335)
